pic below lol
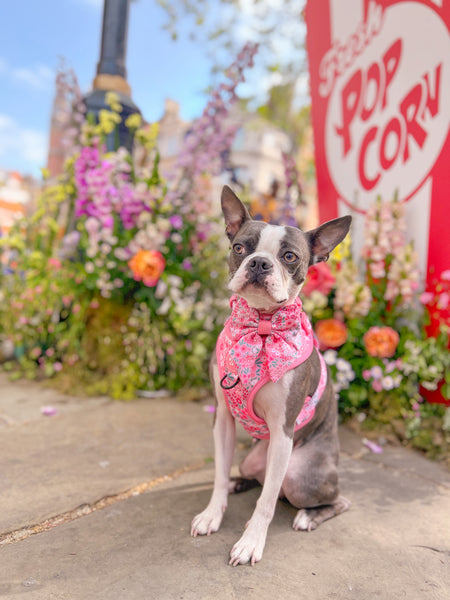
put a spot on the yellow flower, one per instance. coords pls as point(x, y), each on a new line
point(343, 250)
point(107, 121)
point(147, 135)
point(112, 100)
point(134, 121)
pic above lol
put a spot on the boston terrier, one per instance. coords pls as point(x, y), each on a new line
point(268, 373)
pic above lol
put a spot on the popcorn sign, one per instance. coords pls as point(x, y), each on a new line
point(380, 85)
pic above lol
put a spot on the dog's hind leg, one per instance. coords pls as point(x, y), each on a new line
point(252, 469)
point(308, 519)
point(311, 484)
point(311, 481)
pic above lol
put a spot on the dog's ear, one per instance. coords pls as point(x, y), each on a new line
point(326, 237)
point(234, 212)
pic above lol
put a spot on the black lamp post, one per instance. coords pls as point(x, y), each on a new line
point(111, 71)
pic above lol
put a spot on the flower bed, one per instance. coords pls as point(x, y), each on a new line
point(117, 282)
point(386, 344)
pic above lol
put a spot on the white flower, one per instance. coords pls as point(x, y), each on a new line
point(121, 254)
point(330, 357)
point(343, 365)
point(89, 266)
point(161, 289)
point(376, 372)
point(165, 306)
point(388, 383)
point(341, 378)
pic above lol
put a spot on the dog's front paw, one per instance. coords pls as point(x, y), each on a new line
point(249, 548)
point(207, 522)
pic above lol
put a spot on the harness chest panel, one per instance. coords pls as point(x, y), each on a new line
point(255, 348)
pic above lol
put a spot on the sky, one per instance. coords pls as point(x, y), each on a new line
point(35, 34)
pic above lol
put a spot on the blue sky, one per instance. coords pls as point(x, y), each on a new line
point(34, 34)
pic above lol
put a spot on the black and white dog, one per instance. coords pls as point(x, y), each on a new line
point(268, 373)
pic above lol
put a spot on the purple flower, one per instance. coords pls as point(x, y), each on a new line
point(48, 411)
point(373, 447)
point(176, 221)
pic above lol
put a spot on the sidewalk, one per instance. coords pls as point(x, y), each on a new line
point(96, 504)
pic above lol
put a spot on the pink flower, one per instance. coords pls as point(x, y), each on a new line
point(54, 262)
point(377, 269)
point(35, 352)
point(445, 275)
point(319, 278)
point(377, 385)
point(443, 301)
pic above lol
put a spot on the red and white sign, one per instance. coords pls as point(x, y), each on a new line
point(380, 85)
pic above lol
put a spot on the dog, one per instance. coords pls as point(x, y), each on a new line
point(268, 373)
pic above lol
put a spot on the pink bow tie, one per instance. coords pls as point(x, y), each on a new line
point(269, 342)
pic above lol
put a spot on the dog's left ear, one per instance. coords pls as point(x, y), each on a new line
point(234, 212)
point(326, 237)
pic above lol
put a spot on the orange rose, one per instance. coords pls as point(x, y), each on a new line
point(331, 333)
point(147, 266)
point(381, 341)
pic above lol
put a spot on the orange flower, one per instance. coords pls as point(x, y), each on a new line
point(331, 333)
point(147, 266)
point(381, 341)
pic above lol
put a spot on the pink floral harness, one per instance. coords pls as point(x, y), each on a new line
point(254, 348)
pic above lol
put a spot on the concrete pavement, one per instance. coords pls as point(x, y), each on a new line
point(96, 503)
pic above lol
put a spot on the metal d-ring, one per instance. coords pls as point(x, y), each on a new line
point(224, 387)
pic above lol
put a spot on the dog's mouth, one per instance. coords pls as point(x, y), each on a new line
point(259, 296)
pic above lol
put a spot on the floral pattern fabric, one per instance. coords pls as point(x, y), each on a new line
point(254, 349)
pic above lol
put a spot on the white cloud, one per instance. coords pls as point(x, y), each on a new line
point(21, 148)
point(38, 76)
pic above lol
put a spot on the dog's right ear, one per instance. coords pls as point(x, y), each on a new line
point(234, 212)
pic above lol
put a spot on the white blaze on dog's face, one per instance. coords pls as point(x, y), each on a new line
point(269, 263)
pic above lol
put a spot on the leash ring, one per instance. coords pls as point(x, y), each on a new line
point(224, 387)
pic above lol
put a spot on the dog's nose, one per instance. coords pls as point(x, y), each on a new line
point(260, 264)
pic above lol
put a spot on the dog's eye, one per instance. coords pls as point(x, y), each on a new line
point(290, 257)
point(239, 249)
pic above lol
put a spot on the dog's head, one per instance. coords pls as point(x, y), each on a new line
point(268, 263)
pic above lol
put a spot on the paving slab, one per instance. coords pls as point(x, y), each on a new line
point(141, 548)
point(91, 449)
point(393, 543)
